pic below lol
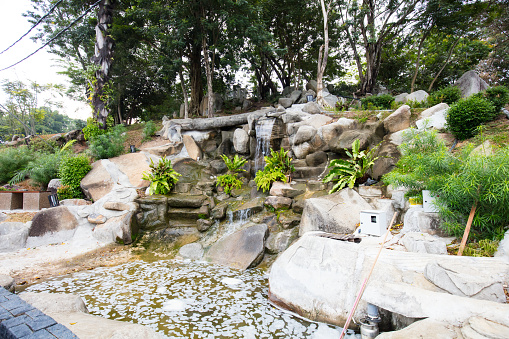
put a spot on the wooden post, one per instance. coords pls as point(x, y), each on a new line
point(467, 229)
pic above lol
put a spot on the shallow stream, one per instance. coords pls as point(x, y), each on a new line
point(184, 299)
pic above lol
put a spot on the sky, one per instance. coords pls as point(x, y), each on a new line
point(41, 67)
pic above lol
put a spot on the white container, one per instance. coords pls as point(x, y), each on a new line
point(373, 222)
point(428, 202)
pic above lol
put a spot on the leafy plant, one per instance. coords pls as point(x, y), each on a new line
point(230, 180)
point(162, 177)
point(449, 95)
point(467, 114)
point(92, 130)
point(377, 101)
point(347, 172)
point(498, 96)
point(459, 181)
point(109, 144)
point(66, 192)
point(149, 130)
point(483, 248)
point(12, 160)
point(278, 167)
point(71, 171)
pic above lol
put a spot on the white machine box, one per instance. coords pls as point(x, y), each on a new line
point(428, 202)
point(373, 222)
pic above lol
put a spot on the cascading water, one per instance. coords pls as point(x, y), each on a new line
point(263, 137)
point(182, 299)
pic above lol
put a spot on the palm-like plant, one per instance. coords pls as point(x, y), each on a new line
point(162, 177)
point(346, 172)
point(229, 181)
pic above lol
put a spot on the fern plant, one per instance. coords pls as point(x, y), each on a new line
point(162, 177)
point(347, 172)
point(230, 180)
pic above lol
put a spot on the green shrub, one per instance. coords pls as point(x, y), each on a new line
point(377, 101)
point(347, 172)
point(46, 146)
point(149, 130)
point(459, 181)
point(448, 95)
point(483, 248)
point(467, 114)
point(109, 144)
point(71, 171)
point(162, 177)
point(278, 167)
point(13, 160)
point(498, 96)
point(92, 130)
point(66, 192)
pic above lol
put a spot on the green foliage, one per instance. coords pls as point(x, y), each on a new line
point(449, 95)
point(279, 160)
point(278, 166)
point(465, 116)
point(109, 144)
point(149, 130)
point(162, 177)
point(71, 171)
point(498, 96)
point(346, 172)
point(46, 146)
point(458, 181)
point(265, 178)
point(92, 130)
point(483, 248)
point(229, 181)
point(377, 101)
point(13, 160)
point(66, 192)
point(234, 165)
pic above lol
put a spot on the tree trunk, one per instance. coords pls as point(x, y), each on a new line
point(208, 70)
point(418, 61)
point(103, 58)
point(195, 79)
point(184, 92)
point(323, 54)
point(445, 64)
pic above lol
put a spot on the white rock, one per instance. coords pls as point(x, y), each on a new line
point(416, 220)
point(433, 110)
point(241, 141)
point(437, 121)
point(401, 97)
point(418, 96)
point(470, 83)
point(503, 247)
point(192, 251)
point(424, 243)
point(304, 133)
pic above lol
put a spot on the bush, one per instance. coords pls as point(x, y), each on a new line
point(278, 166)
point(377, 101)
point(162, 177)
point(109, 144)
point(467, 114)
point(92, 130)
point(448, 95)
point(46, 146)
point(149, 130)
point(230, 180)
point(498, 96)
point(459, 182)
point(348, 172)
point(71, 171)
point(13, 160)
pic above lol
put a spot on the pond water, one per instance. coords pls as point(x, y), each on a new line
point(184, 299)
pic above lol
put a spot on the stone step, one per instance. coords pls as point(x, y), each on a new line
point(185, 200)
point(184, 223)
point(187, 213)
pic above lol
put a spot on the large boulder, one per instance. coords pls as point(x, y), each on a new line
point(398, 120)
point(285, 102)
point(470, 83)
point(424, 243)
point(278, 203)
point(370, 135)
point(503, 247)
point(241, 141)
point(192, 251)
point(13, 235)
point(304, 133)
point(126, 170)
point(311, 108)
point(335, 213)
point(295, 95)
point(52, 220)
point(69, 310)
point(319, 278)
point(312, 85)
point(281, 189)
point(192, 147)
point(433, 110)
point(119, 229)
point(313, 120)
point(388, 156)
point(401, 97)
point(437, 121)
point(7, 282)
point(418, 96)
point(416, 220)
point(432, 328)
point(242, 249)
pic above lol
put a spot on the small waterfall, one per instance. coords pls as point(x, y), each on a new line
point(263, 137)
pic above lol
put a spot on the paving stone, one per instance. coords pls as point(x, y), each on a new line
point(20, 330)
point(42, 334)
point(34, 313)
point(15, 321)
point(61, 332)
point(41, 322)
point(3, 299)
point(23, 308)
